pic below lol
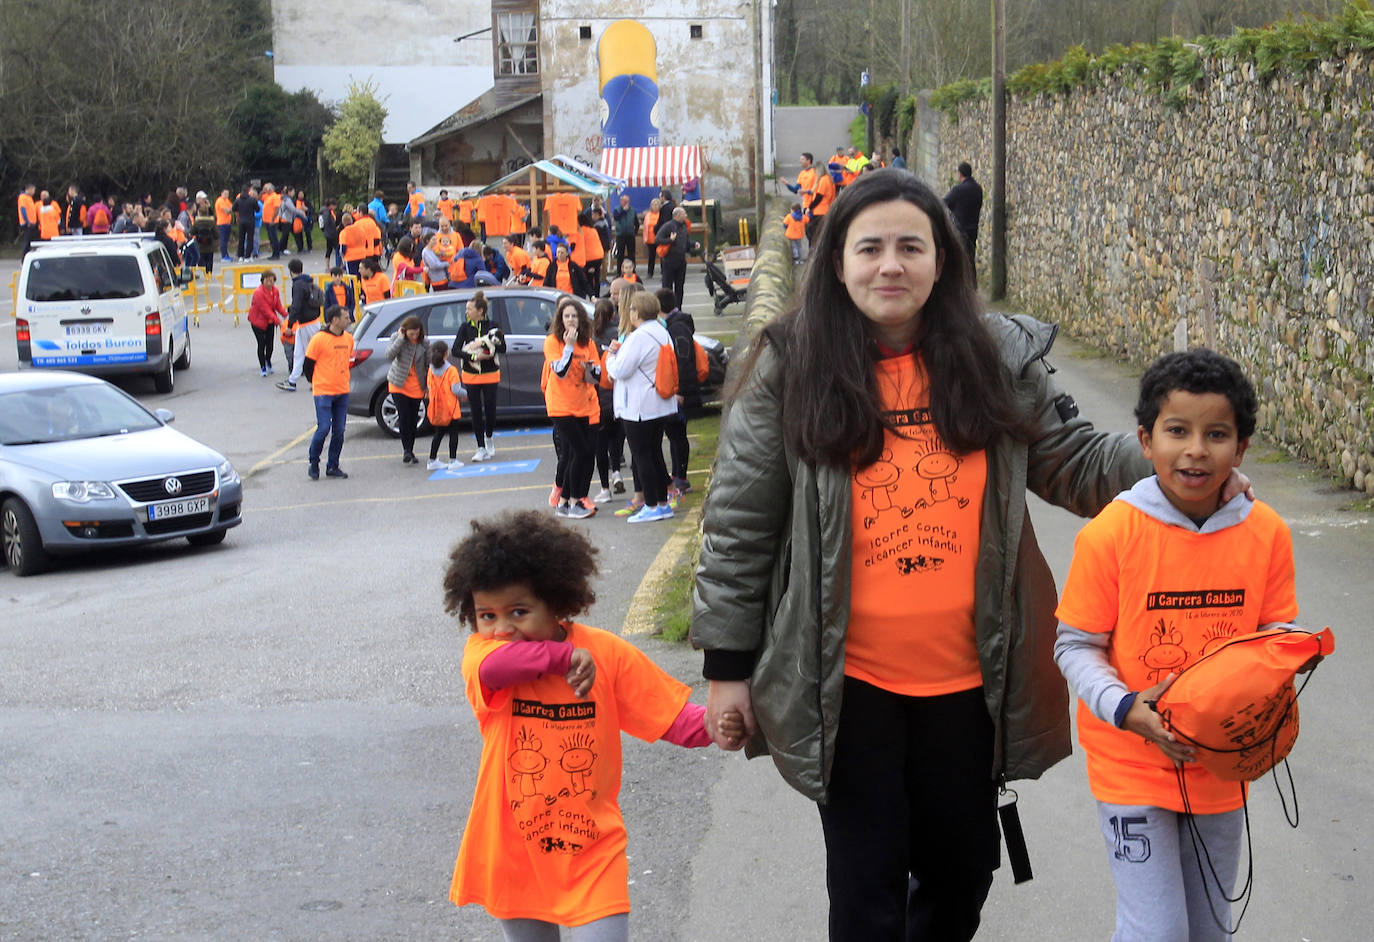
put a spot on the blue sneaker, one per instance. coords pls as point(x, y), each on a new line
point(665, 512)
point(645, 515)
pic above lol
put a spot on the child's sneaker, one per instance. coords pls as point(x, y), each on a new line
point(555, 496)
point(455, 464)
point(560, 509)
point(578, 512)
point(633, 507)
point(479, 455)
point(286, 386)
point(617, 483)
point(588, 503)
point(490, 451)
point(683, 485)
point(645, 515)
point(435, 465)
point(603, 496)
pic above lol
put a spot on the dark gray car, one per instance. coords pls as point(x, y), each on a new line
point(522, 314)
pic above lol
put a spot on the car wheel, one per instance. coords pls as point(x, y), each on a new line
point(388, 418)
point(19, 539)
point(207, 539)
point(184, 361)
point(166, 377)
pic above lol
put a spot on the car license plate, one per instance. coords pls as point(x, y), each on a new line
point(178, 508)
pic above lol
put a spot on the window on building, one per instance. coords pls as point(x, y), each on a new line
point(694, 30)
point(584, 32)
point(517, 44)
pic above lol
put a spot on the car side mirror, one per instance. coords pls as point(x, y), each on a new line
point(166, 415)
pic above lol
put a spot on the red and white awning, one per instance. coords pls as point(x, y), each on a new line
point(652, 166)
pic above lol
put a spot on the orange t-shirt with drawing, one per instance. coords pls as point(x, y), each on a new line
point(917, 515)
point(1169, 596)
point(544, 837)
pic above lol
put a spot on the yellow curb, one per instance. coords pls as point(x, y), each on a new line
point(639, 620)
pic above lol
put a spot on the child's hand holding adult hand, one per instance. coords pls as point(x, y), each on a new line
point(581, 672)
point(1143, 720)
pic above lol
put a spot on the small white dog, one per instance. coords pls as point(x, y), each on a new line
point(483, 344)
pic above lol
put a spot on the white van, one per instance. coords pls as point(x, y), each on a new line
point(105, 305)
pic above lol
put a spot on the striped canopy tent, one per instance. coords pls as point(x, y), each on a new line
point(658, 167)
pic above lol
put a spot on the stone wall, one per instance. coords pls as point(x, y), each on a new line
point(1243, 221)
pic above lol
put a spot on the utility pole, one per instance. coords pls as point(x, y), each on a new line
point(997, 285)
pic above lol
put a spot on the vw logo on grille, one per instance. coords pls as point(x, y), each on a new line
point(172, 486)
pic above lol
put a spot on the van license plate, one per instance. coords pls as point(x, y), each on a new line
point(178, 508)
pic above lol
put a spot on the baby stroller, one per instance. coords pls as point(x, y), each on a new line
point(718, 284)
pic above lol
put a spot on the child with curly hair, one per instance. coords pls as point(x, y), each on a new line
point(545, 843)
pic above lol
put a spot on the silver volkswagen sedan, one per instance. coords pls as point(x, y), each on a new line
point(84, 466)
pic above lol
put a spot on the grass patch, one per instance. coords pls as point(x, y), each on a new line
point(1362, 506)
point(673, 609)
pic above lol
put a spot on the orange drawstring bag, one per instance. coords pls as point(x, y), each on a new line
point(1237, 706)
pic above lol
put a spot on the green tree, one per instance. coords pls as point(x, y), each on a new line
point(280, 130)
point(122, 97)
point(351, 144)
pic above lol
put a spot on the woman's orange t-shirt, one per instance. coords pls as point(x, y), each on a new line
point(571, 394)
point(917, 513)
point(544, 837)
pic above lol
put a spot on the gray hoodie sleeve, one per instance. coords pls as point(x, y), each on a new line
point(1082, 659)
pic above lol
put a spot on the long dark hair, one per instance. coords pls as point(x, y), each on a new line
point(584, 323)
point(832, 411)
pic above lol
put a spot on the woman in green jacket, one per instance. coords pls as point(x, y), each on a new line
point(870, 596)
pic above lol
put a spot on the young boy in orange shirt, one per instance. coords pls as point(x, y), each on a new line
point(544, 844)
point(1160, 578)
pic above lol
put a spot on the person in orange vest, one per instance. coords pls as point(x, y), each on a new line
point(288, 342)
point(264, 311)
point(338, 290)
point(74, 219)
point(353, 239)
point(328, 358)
point(98, 217)
point(539, 261)
point(444, 408)
point(592, 250)
point(651, 230)
point(271, 217)
point(224, 223)
point(805, 187)
point(403, 267)
point(572, 371)
point(627, 271)
point(49, 217)
point(372, 231)
point(28, 219)
point(794, 228)
point(415, 201)
point(517, 259)
point(466, 207)
point(444, 206)
point(565, 274)
point(376, 286)
point(820, 205)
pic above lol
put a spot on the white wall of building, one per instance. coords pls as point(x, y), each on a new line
point(706, 85)
point(404, 47)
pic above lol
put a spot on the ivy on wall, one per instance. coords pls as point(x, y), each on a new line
point(1172, 66)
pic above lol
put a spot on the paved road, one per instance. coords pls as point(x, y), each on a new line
point(816, 129)
point(267, 740)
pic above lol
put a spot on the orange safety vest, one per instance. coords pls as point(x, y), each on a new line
point(224, 211)
point(26, 202)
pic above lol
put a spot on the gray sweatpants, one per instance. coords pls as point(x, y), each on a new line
point(607, 929)
point(1160, 894)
